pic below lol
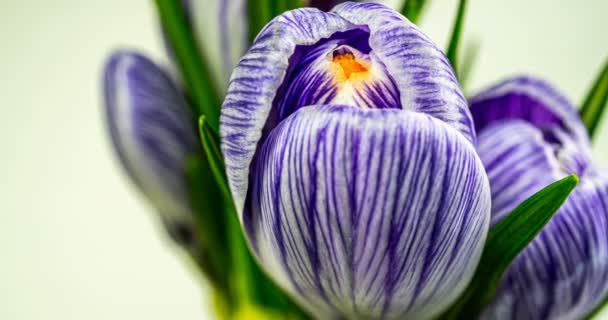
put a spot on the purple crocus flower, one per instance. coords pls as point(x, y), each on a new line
point(151, 126)
point(349, 153)
point(530, 136)
point(153, 133)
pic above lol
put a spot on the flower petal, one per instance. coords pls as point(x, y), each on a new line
point(152, 132)
point(530, 99)
point(563, 273)
point(518, 162)
point(422, 75)
point(368, 213)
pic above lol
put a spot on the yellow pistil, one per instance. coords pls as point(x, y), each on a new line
point(346, 65)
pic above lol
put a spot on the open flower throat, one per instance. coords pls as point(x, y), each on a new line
point(342, 69)
point(346, 64)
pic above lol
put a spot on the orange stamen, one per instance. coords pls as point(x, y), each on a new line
point(349, 64)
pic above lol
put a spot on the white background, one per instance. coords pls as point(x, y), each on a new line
point(76, 241)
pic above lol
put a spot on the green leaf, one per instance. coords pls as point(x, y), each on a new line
point(412, 9)
point(452, 51)
point(260, 12)
point(192, 65)
point(211, 148)
point(596, 101)
point(505, 241)
point(209, 222)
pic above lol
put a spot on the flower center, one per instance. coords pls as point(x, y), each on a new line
point(345, 65)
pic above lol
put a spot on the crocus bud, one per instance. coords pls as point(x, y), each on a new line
point(529, 137)
point(349, 154)
point(153, 134)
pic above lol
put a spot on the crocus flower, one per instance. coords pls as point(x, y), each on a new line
point(349, 153)
point(151, 126)
point(153, 134)
point(530, 136)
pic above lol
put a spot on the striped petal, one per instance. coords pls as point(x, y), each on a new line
point(533, 100)
point(513, 153)
point(368, 213)
point(364, 55)
point(152, 133)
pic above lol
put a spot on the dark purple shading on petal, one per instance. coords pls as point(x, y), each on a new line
point(531, 99)
point(369, 213)
point(152, 131)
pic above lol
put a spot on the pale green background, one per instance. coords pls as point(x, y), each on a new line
point(77, 242)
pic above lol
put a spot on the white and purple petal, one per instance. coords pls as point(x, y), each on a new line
point(368, 213)
point(406, 71)
point(152, 132)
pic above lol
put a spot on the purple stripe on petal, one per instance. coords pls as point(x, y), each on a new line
point(373, 213)
point(153, 133)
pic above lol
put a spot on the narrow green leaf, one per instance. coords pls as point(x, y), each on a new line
point(505, 241)
point(209, 223)
point(260, 12)
point(596, 101)
point(452, 51)
point(192, 65)
point(412, 9)
point(211, 148)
